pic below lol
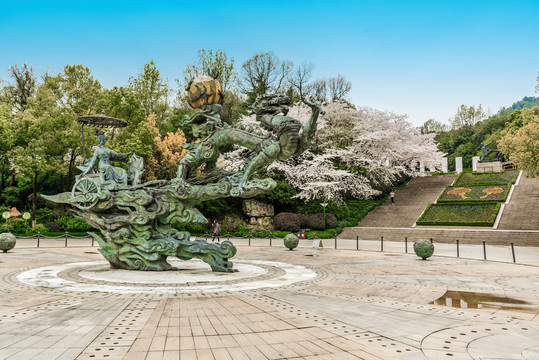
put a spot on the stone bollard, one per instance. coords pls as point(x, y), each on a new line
point(7, 241)
point(291, 241)
point(424, 248)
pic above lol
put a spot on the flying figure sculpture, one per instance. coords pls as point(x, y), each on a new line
point(285, 140)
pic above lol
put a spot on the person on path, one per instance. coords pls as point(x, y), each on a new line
point(392, 197)
point(216, 231)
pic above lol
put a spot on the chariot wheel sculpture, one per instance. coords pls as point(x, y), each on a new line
point(84, 193)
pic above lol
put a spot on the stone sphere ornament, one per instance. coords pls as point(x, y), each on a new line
point(423, 248)
point(291, 241)
point(7, 241)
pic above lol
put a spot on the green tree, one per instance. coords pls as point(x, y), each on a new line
point(215, 60)
point(6, 134)
point(151, 90)
point(121, 103)
point(264, 73)
point(41, 144)
point(16, 95)
point(522, 144)
point(432, 126)
point(76, 93)
point(467, 116)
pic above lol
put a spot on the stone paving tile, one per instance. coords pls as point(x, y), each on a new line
point(361, 306)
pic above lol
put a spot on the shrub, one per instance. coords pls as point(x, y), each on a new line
point(44, 215)
point(70, 223)
point(470, 214)
point(53, 227)
point(288, 221)
point(466, 178)
point(313, 207)
point(195, 229)
point(280, 234)
point(316, 221)
point(240, 231)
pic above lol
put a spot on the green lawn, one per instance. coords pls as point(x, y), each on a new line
point(483, 193)
point(466, 178)
point(465, 214)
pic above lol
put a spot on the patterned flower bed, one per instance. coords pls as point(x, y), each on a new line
point(467, 214)
point(466, 178)
point(483, 193)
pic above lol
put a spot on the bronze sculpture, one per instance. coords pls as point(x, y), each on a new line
point(137, 222)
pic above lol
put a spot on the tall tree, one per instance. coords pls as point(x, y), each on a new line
point(338, 87)
point(317, 90)
point(6, 134)
point(264, 73)
point(213, 60)
point(300, 78)
point(521, 144)
point(432, 126)
point(76, 93)
point(467, 116)
point(151, 90)
point(41, 135)
point(24, 84)
point(163, 163)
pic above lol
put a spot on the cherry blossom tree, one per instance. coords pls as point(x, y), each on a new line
point(355, 153)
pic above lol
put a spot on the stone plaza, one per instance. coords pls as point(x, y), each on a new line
point(66, 303)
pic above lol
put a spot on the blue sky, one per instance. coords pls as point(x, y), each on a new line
point(421, 58)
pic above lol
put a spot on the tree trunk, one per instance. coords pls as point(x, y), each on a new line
point(34, 200)
point(12, 182)
point(70, 171)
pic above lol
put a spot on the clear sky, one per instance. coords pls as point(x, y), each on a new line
point(421, 58)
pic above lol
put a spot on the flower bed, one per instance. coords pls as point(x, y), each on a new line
point(466, 178)
point(462, 214)
point(483, 193)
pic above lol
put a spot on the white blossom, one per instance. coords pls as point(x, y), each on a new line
point(354, 152)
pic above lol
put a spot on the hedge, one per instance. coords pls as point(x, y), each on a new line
point(467, 214)
point(498, 178)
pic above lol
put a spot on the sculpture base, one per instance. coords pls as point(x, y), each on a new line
point(151, 255)
point(490, 166)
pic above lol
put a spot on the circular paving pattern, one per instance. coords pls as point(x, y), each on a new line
point(194, 276)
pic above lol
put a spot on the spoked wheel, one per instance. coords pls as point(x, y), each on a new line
point(84, 193)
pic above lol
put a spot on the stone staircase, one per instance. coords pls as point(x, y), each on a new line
point(409, 202)
point(522, 212)
point(519, 222)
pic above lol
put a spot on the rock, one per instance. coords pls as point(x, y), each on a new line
point(257, 208)
point(7, 241)
point(291, 241)
point(264, 221)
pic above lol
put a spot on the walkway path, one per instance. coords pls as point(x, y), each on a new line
point(409, 202)
point(522, 212)
point(361, 305)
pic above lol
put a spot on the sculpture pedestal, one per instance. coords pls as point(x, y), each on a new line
point(491, 166)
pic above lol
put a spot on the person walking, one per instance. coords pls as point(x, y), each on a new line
point(216, 231)
point(392, 197)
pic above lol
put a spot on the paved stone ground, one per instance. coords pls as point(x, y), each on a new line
point(361, 305)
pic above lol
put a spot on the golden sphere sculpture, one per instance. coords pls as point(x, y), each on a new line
point(204, 90)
